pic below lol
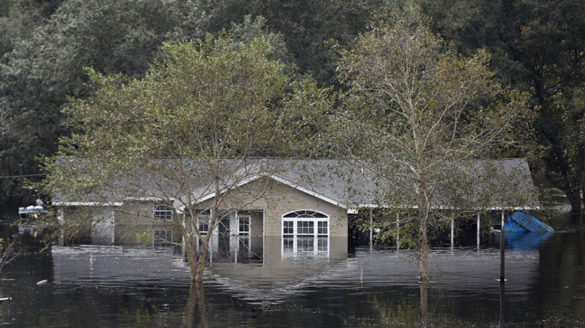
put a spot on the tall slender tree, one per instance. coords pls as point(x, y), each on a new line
point(415, 111)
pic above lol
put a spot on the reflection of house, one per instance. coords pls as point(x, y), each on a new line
point(303, 203)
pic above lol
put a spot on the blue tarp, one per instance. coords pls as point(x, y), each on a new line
point(525, 240)
point(522, 222)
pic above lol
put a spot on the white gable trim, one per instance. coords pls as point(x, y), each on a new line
point(87, 204)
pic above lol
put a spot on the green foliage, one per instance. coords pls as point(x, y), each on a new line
point(537, 46)
point(184, 130)
point(307, 27)
point(414, 112)
point(44, 55)
point(201, 102)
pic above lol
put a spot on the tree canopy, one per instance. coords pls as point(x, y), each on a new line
point(187, 128)
point(417, 110)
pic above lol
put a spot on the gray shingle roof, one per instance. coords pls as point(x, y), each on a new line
point(488, 184)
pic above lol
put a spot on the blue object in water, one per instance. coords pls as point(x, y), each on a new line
point(526, 240)
point(522, 222)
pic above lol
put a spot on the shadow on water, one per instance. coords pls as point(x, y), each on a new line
point(99, 286)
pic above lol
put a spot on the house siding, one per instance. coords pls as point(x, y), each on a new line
point(277, 199)
point(130, 224)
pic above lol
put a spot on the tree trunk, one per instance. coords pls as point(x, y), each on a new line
point(196, 259)
point(195, 302)
point(199, 268)
point(424, 245)
point(424, 301)
point(424, 252)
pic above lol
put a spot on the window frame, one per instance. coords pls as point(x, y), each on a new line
point(249, 225)
point(301, 222)
point(206, 218)
point(157, 209)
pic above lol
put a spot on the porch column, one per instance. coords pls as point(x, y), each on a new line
point(502, 253)
point(234, 229)
point(61, 219)
point(397, 232)
point(452, 234)
point(371, 229)
point(478, 230)
point(211, 239)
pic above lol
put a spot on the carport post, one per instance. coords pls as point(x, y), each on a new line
point(452, 233)
point(478, 230)
point(371, 229)
point(397, 231)
point(502, 253)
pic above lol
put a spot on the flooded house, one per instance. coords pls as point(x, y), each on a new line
point(271, 208)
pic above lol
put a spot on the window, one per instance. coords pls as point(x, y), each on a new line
point(305, 244)
point(305, 232)
point(305, 227)
point(287, 227)
point(305, 214)
point(163, 212)
point(322, 244)
point(203, 224)
point(288, 244)
point(244, 225)
point(322, 228)
point(244, 244)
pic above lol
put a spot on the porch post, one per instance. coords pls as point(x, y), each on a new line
point(235, 231)
point(452, 234)
point(478, 229)
point(183, 241)
point(502, 253)
point(371, 229)
point(210, 238)
point(397, 231)
point(61, 219)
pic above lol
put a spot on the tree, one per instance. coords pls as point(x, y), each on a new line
point(415, 111)
point(49, 42)
point(191, 127)
point(539, 47)
point(307, 27)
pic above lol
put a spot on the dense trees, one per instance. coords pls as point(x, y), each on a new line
point(538, 46)
point(47, 43)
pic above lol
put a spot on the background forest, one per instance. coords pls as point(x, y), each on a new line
point(535, 46)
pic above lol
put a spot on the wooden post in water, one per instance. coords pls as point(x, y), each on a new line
point(501, 321)
point(478, 230)
point(502, 253)
point(371, 229)
point(397, 232)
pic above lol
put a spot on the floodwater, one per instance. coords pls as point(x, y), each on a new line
point(112, 286)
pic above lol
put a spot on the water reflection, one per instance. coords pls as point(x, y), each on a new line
point(94, 286)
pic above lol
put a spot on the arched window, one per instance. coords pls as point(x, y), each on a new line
point(305, 214)
point(305, 232)
point(163, 212)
